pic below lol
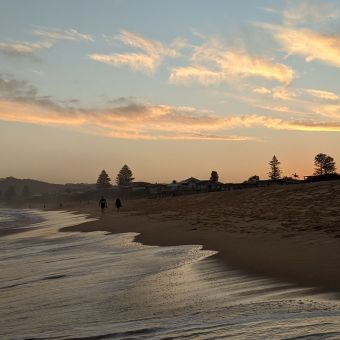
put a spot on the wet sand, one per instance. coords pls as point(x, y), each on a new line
point(290, 233)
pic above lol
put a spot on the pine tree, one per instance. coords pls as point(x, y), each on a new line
point(324, 164)
point(214, 176)
point(275, 171)
point(124, 176)
point(103, 181)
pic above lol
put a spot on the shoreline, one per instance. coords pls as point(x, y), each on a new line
point(290, 234)
point(297, 263)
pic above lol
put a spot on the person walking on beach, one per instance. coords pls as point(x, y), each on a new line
point(118, 204)
point(102, 204)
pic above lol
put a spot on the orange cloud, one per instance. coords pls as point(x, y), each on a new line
point(153, 52)
point(239, 63)
point(323, 94)
point(281, 93)
point(19, 102)
point(262, 90)
point(131, 121)
point(152, 122)
point(187, 75)
point(294, 125)
point(331, 111)
point(212, 63)
point(310, 44)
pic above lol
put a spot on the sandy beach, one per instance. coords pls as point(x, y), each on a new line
point(290, 233)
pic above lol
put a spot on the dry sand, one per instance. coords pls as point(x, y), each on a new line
point(290, 233)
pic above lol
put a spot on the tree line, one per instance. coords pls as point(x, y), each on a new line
point(123, 178)
point(323, 165)
point(11, 193)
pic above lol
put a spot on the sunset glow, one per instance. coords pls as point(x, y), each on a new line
point(223, 86)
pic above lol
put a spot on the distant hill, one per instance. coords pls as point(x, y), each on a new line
point(40, 188)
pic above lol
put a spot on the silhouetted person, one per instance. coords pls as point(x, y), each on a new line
point(102, 204)
point(118, 204)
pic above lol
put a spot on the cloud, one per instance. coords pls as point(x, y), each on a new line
point(132, 122)
point(300, 12)
point(239, 63)
point(28, 49)
point(292, 125)
point(279, 108)
point(153, 52)
point(281, 93)
point(331, 111)
point(297, 125)
point(212, 63)
point(150, 122)
point(137, 62)
point(190, 74)
point(20, 102)
point(262, 90)
point(151, 47)
point(308, 43)
point(323, 94)
point(23, 48)
point(38, 73)
point(16, 89)
point(58, 34)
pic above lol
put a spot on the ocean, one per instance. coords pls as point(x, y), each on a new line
point(99, 285)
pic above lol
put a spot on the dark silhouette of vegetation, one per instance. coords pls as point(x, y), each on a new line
point(214, 177)
point(26, 192)
point(124, 176)
point(324, 164)
point(287, 178)
point(275, 171)
point(10, 193)
point(103, 181)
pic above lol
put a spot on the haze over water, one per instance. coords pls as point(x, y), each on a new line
point(97, 285)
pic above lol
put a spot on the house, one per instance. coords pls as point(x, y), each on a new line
point(156, 189)
point(208, 185)
point(140, 186)
point(319, 178)
point(189, 184)
point(253, 179)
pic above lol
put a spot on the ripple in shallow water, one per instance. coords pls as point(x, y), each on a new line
point(104, 286)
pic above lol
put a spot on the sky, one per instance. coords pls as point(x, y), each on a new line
point(173, 89)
